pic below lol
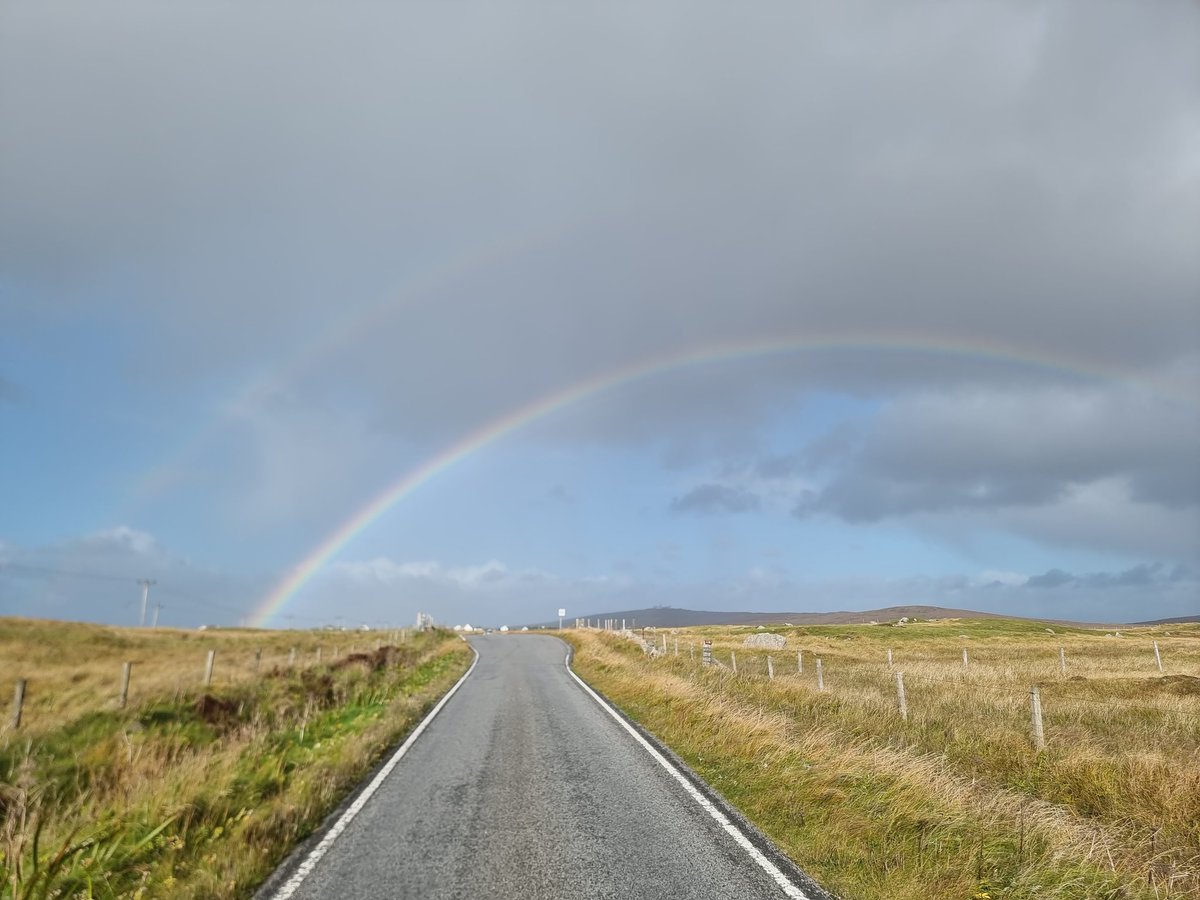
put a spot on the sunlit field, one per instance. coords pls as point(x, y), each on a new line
point(192, 789)
point(956, 800)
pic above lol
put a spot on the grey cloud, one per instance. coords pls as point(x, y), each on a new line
point(1052, 579)
point(1143, 575)
point(714, 499)
point(846, 163)
point(990, 450)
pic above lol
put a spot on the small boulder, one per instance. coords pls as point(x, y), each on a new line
point(766, 640)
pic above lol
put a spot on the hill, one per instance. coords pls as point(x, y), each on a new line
point(672, 617)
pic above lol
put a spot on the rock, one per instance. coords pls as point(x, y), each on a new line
point(767, 640)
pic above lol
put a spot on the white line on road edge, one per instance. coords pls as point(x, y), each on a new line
point(721, 819)
point(302, 871)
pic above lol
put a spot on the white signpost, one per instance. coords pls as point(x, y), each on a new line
point(561, 613)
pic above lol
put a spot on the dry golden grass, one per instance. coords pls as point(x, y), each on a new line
point(955, 802)
point(192, 791)
point(75, 668)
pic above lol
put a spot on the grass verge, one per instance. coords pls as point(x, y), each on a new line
point(200, 792)
point(954, 802)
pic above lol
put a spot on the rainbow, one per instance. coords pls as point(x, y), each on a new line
point(439, 275)
point(320, 555)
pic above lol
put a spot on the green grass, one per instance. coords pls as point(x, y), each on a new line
point(200, 793)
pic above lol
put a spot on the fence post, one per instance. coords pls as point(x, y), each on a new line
point(889, 658)
point(966, 660)
point(820, 675)
point(1062, 661)
point(901, 700)
point(1157, 657)
point(733, 661)
point(257, 658)
point(800, 661)
point(664, 643)
point(126, 668)
point(706, 653)
point(208, 666)
point(691, 650)
point(770, 670)
point(319, 649)
point(18, 703)
point(1035, 703)
point(292, 657)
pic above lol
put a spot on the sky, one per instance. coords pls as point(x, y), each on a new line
point(329, 313)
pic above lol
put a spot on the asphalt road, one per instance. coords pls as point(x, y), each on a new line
point(525, 787)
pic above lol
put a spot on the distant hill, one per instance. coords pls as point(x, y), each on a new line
point(671, 617)
point(1177, 620)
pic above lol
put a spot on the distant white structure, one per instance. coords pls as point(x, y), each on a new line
point(424, 621)
point(504, 628)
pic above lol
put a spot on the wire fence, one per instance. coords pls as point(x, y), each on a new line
point(1039, 687)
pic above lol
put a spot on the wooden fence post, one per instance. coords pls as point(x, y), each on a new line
point(966, 659)
point(820, 675)
point(889, 658)
point(257, 658)
point(208, 666)
point(1157, 657)
point(319, 649)
point(126, 668)
point(292, 657)
point(1035, 703)
point(676, 646)
point(901, 700)
point(1062, 661)
point(706, 653)
point(770, 669)
point(18, 703)
point(800, 661)
point(733, 661)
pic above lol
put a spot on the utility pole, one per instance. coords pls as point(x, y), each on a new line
point(145, 583)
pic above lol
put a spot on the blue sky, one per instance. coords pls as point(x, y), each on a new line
point(257, 264)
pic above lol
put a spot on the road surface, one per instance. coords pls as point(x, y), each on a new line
point(524, 786)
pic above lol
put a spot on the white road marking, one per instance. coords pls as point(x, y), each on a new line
point(721, 819)
point(302, 871)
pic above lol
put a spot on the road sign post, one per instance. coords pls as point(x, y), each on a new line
point(561, 613)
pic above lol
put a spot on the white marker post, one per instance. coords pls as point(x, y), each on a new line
point(561, 613)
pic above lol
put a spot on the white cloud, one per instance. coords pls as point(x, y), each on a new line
point(491, 575)
point(122, 537)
